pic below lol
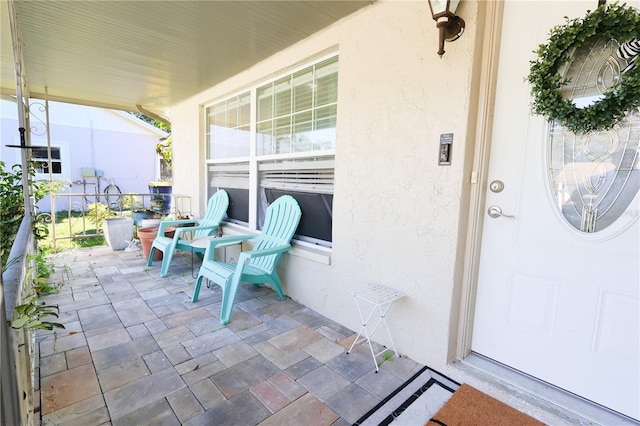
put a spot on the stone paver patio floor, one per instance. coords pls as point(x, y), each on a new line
point(136, 350)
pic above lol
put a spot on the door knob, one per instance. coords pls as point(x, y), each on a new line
point(495, 211)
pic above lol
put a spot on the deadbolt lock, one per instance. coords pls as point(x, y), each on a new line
point(496, 186)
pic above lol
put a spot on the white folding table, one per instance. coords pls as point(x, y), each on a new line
point(378, 298)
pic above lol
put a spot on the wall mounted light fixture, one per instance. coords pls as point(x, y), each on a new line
point(450, 26)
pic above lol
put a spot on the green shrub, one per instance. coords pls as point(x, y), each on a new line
point(29, 315)
point(12, 203)
point(131, 202)
point(44, 267)
point(97, 213)
point(11, 207)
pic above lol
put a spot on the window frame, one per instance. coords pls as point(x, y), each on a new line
point(254, 162)
point(65, 160)
point(44, 160)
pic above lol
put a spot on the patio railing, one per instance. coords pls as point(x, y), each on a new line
point(17, 347)
point(82, 211)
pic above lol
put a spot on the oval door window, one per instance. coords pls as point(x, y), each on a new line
point(595, 177)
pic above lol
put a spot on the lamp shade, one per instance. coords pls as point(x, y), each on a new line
point(440, 8)
point(450, 26)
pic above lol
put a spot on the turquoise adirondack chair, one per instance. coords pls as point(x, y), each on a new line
point(257, 266)
point(204, 227)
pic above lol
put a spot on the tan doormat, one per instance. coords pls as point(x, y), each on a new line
point(468, 406)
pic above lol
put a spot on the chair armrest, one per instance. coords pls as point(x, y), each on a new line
point(179, 221)
point(265, 252)
point(165, 223)
point(246, 255)
point(230, 239)
point(181, 229)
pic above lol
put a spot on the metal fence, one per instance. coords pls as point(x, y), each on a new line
point(82, 213)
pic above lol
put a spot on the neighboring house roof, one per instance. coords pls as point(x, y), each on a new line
point(80, 116)
point(150, 53)
point(148, 126)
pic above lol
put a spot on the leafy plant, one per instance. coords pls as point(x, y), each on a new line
point(97, 213)
point(44, 267)
point(30, 314)
point(41, 286)
point(10, 263)
point(38, 274)
point(12, 208)
point(131, 202)
point(165, 150)
point(386, 356)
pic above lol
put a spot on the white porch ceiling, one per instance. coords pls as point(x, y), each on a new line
point(119, 54)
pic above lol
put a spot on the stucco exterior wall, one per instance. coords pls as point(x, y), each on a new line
point(397, 214)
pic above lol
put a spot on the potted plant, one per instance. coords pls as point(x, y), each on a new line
point(139, 212)
point(162, 203)
point(148, 234)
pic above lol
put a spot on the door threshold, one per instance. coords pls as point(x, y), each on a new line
point(551, 397)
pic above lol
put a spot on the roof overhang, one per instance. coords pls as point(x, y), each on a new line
point(152, 54)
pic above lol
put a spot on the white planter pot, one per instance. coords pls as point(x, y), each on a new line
point(149, 223)
point(117, 231)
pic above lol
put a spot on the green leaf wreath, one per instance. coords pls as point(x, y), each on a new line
point(607, 21)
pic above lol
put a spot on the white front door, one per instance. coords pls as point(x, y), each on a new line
point(555, 301)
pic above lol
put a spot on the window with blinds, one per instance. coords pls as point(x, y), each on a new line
point(234, 178)
point(229, 127)
point(292, 122)
point(306, 175)
point(298, 113)
point(310, 182)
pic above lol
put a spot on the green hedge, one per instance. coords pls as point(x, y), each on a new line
point(12, 204)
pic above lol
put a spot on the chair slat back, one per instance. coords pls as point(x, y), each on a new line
point(216, 209)
point(281, 221)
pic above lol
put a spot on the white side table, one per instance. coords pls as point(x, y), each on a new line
point(378, 298)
